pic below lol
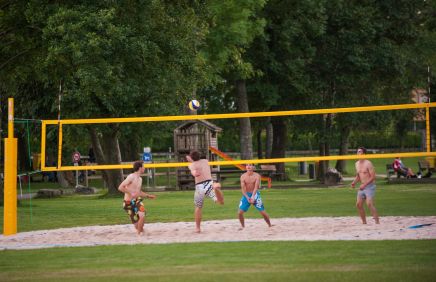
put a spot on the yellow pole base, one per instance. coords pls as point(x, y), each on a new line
point(10, 187)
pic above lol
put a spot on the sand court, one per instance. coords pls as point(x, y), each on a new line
point(284, 229)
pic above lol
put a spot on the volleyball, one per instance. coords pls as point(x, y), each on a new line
point(193, 105)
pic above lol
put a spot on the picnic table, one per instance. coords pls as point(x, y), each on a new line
point(221, 173)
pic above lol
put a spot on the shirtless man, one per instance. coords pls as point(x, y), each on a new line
point(250, 182)
point(365, 174)
point(204, 185)
point(132, 204)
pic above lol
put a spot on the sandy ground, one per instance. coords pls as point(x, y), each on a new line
point(283, 229)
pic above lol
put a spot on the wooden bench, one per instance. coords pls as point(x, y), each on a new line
point(265, 170)
point(424, 167)
point(270, 171)
point(390, 171)
point(412, 181)
point(221, 175)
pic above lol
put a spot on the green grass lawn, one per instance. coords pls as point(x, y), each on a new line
point(405, 260)
point(240, 261)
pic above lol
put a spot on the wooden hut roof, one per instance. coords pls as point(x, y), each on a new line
point(202, 122)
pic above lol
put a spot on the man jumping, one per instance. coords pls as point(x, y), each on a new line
point(204, 185)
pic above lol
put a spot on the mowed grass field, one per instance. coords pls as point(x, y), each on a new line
point(239, 261)
point(406, 260)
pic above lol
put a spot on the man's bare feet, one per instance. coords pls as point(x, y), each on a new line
point(197, 230)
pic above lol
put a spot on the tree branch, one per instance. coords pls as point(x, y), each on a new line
point(12, 58)
point(5, 32)
point(5, 5)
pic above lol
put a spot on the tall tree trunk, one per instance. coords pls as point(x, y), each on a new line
point(341, 165)
point(269, 139)
point(63, 180)
point(322, 165)
point(98, 151)
point(23, 154)
point(327, 123)
point(107, 151)
point(244, 123)
point(131, 147)
point(279, 144)
point(259, 143)
point(324, 149)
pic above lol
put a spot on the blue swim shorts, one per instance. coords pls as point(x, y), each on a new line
point(244, 205)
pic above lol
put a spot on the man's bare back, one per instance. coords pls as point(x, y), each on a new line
point(200, 170)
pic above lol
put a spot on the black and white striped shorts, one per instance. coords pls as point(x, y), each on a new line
point(203, 189)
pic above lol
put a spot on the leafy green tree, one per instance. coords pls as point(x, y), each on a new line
point(129, 59)
point(335, 54)
point(426, 58)
point(232, 27)
point(283, 56)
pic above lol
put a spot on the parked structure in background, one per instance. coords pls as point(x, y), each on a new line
point(196, 135)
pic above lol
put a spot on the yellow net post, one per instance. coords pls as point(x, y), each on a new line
point(60, 145)
point(43, 138)
point(10, 185)
point(427, 128)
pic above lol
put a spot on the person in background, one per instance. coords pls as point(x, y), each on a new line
point(91, 155)
point(401, 169)
point(365, 174)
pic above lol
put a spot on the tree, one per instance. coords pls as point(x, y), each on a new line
point(282, 55)
point(111, 58)
point(335, 54)
point(232, 27)
point(423, 49)
point(361, 59)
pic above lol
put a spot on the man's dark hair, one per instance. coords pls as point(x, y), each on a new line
point(195, 155)
point(363, 149)
point(137, 165)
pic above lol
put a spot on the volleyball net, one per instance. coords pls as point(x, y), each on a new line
point(60, 124)
point(52, 138)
